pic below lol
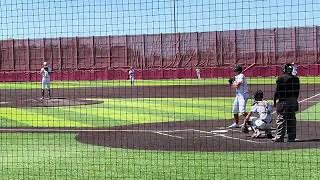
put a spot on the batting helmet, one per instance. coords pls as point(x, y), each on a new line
point(258, 95)
point(287, 68)
point(238, 68)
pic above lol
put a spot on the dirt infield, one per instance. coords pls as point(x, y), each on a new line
point(209, 136)
point(52, 102)
point(168, 136)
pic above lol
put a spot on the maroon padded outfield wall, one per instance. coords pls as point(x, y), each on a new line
point(181, 73)
point(162, 56)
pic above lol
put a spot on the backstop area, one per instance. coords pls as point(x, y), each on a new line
point(139, 89)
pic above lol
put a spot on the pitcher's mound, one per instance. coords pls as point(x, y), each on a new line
point(52, 102)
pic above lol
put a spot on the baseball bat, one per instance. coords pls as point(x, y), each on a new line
point(248, 67)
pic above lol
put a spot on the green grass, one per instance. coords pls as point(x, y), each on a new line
point(59, 156)
point(115, 112)
point(312, 113)
point(123, 83)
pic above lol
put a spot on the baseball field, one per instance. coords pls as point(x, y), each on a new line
point(158, 129)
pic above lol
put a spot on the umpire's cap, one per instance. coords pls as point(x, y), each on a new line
point(287, 68)
point(258, 95)
point(238, 68)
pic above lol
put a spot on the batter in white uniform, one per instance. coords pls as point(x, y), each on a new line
point(242, 95)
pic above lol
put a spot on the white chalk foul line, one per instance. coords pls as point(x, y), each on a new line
point(53, 130)
point(304, 100)
point(94, 130)
point(220, 131)
point(176, 130)
point(206, 136)
point(169, 135)
point(313, 101)
point(164, 133)
point(229, 137)
point(309, 98)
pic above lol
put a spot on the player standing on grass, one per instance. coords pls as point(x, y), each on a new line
point(198, 71)
point(239, 82)
point(45, 82)
point(286, 101)
point(132, 75)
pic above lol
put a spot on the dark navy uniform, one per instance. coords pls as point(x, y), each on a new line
point(286, 101)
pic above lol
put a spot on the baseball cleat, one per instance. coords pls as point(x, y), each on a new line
point(291, 140)
point(234, 125)
point(277, 140)
point(269, 136)
point(256, 134)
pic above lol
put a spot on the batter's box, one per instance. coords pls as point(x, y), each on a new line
point(218, 134)
point(193, 133)
point(182, 134)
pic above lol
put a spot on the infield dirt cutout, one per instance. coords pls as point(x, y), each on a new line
point(197, 135)
point(52, 102)
point(211, 136)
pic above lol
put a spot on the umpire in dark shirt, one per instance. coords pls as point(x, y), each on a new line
point(286, 102)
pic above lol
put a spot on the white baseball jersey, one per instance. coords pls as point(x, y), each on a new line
point(243, 88)
point(264, 110)
point(132, 73)
point(45, 82)
point(45, 74)
point(295, 70)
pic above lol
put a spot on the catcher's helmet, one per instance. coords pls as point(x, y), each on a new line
point(287, 68)
point(258, 95)
point(238, 68)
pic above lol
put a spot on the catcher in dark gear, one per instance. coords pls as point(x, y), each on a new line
point(259, 118)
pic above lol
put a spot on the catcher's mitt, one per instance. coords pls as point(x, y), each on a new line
point(245, 129)
point(231, 80)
